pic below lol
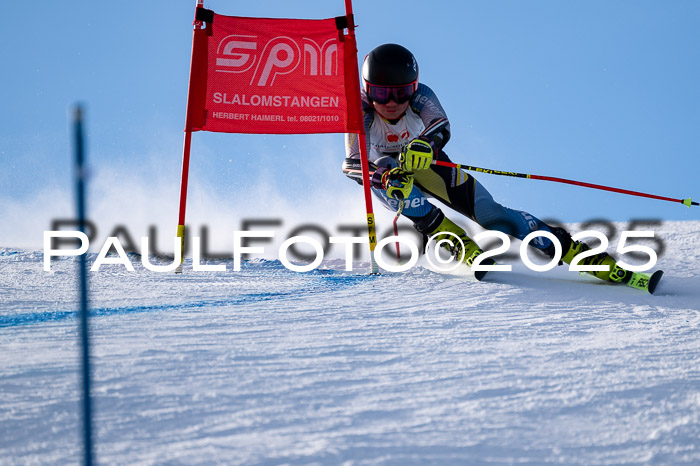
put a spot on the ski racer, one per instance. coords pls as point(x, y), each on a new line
point(406, 129)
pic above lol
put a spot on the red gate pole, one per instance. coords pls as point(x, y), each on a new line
point(364, 160)
point(197, 25)
point(183, 195)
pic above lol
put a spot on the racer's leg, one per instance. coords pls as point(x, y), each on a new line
point(493, 216)
point(466, 195)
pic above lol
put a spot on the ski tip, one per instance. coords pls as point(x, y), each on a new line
point(482, 273)
point(654, 280)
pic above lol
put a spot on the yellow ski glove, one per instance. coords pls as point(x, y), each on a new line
point(417, 155)
point(397, 183)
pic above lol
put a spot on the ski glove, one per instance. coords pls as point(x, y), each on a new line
point(417, 155)
point(397, 183)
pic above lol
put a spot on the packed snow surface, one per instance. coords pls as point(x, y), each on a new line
point(271, 366)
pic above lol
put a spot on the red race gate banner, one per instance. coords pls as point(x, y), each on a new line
point(272, 76)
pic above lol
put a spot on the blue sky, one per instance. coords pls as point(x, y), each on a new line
point(599, 91)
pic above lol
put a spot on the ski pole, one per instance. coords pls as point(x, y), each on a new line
point(687, 202)
point(396, 229)
point(438, 125)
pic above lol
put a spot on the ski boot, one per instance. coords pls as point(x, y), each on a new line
point(465, 250)
point(614, 273)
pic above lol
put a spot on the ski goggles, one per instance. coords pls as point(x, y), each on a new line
point(383, 94)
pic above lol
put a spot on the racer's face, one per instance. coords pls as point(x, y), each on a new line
point(390, 110)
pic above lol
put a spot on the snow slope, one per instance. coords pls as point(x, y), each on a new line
point(269, 366)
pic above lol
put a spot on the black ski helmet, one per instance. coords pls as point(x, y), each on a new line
point(389, 65)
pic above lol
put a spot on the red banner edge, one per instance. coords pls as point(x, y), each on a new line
point(196, 93)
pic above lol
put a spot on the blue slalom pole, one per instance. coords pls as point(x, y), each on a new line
point(80, 175)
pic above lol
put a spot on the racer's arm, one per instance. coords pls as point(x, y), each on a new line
point(351, 165)
point(426, 103)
